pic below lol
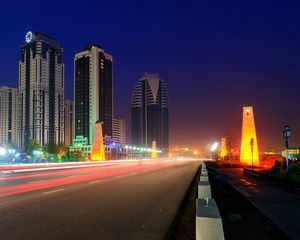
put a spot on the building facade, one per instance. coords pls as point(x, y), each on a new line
point(41, 90)
point(119, 131)
point(93, 92)
point(69, 122)
point(150, 112)
point(9, 116)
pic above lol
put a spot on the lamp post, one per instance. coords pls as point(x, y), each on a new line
point(213, 148)
point(286, 135)
point(252, 144)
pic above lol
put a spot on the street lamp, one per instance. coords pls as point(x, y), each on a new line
point(213, 148)
point(2, 151)
point(252, 144)
point(286, 135)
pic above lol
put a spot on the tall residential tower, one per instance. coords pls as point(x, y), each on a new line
point(119, 131)
point(93, 92)
point(150, 112)
point(9, 116)
point(41, 89)
point(69, 122)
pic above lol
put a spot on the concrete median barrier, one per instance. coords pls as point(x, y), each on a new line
point(203, 178)
point(208, 220)
point(204, 190)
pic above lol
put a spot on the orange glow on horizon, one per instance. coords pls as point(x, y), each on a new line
point(249, 132)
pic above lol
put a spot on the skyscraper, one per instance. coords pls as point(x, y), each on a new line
point(9, 116)
point(69, 123)
point(119, 131)
point(41, 89)
point(150, 112)
point(93, 91)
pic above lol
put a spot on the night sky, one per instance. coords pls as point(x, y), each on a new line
point(215, 56)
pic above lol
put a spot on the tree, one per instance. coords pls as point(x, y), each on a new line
point(61, 150)
point(51, 148)
point(230, 145)
point(32, 146)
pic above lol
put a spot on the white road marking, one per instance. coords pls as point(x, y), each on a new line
point(57, 190)
point(118, 176)
point(97, 181)
point(6, 172)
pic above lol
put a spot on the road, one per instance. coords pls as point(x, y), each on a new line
point(280, 206)
point(117, 201)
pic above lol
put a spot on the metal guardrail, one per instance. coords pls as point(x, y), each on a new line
point(269, 177)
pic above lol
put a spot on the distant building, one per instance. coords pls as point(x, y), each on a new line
point(293, 153)
point(41, 89)
point(93, 92)
point(150, 112)
point(69, 123)
point(9, 120)
point(119, 131)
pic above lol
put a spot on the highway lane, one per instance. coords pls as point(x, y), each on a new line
point(135, 201)
point(9, 179)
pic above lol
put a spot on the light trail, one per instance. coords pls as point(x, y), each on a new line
point(109, 171)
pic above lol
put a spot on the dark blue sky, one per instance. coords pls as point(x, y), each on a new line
point(215, 56)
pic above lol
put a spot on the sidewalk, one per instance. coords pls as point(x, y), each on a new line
point(282, 207)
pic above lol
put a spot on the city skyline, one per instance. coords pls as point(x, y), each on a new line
point(150, 120)
point(237, 67)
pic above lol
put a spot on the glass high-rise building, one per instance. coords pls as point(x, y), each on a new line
point(150, 112)
point(93, 91)
point(41, 89)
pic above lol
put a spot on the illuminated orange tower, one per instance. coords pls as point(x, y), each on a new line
point(154, 153)
point(97, 147)
point(248, 133)
point(223, 152)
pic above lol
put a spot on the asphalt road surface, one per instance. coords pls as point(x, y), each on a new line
point(280, 206)
point(135, 200)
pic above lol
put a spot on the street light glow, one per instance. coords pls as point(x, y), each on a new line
point(214, 146)
point(2, 151)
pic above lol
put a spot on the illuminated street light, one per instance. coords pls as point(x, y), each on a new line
point(37, 153)
point(286, 135)
point(214, 146)
point(2, 151)
point(11, 151)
